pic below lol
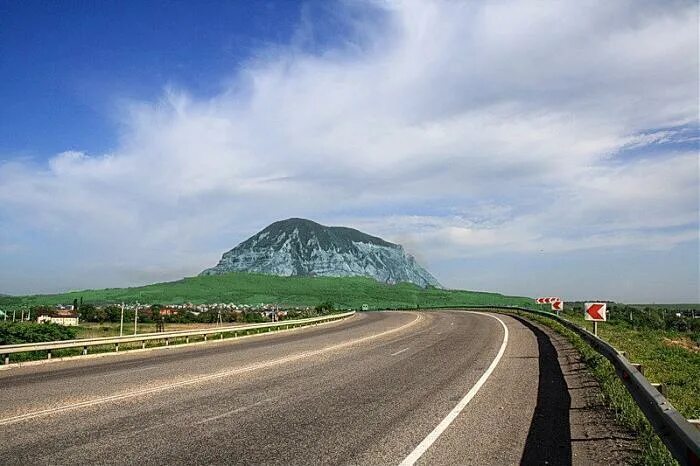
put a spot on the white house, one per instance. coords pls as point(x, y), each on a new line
point(67, 318)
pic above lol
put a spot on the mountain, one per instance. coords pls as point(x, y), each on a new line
point(301, 247)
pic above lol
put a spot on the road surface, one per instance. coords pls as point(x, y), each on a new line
point(379, 388)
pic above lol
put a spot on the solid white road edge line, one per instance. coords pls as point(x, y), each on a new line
point(445, 423)
point(201, 378)
point(399, 352)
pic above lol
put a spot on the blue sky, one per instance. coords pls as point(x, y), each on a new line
point(518, 147)
point(67, 65)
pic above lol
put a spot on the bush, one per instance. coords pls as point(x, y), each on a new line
point(325, 307)
point(13, 333)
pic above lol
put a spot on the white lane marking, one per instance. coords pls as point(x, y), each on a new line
point(233, 411)
point(445, 423)
point(198, 379)
point(399, 352)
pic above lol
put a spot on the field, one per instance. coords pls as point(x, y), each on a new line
point(254, 289)
point(111, 329)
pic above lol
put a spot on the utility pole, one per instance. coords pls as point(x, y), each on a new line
point(121, 322)
point(22, 316)
point(136, 317)
point(14, 311)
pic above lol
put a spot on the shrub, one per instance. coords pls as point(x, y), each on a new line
point(13, 333)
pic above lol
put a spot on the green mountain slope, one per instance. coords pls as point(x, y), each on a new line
point(244, 288)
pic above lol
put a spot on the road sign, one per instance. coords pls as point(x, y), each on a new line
point(558, 306)
point(549, 300)
point(595, 312)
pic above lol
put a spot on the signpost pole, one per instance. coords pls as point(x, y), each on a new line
point(595, 327)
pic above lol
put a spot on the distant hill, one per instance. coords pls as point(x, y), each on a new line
point(245, 288)
point(300, 247)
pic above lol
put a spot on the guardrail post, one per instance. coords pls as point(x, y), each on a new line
point(235, 334)
point(205, 337)
point(221, 336)
point(695, 423)
point(187, 339)
point(639, 367)
point(116, 347)
point(661, 387)
point(48, 354)
point(143, 344)
point(84, 350)
point(167, 341)
point(7, 359)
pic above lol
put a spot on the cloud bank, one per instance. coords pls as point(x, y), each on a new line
point(462, 129)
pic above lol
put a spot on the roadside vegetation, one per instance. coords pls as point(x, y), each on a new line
point(666, 341)
point(14, 333)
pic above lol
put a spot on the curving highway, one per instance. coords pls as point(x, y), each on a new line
point(379, 388)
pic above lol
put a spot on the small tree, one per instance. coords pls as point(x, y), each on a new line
point(325, 307)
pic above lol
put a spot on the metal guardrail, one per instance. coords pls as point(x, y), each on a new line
point(680, 437)
point(85, 343)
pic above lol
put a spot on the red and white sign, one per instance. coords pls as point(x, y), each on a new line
point(596, 312)
point(547, 300)
point(540, 300)
point(558, 306)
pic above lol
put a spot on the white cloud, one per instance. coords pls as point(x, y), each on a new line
point(461, 128)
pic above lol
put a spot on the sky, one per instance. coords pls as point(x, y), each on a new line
point(524, 147)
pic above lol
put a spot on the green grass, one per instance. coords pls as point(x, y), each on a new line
point(616, 397)
point(668, 357)
point(253, 289)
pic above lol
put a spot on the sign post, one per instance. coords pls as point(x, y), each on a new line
point(595, 312)
point(557, 306)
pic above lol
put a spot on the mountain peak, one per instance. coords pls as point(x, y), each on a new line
point(298, 246)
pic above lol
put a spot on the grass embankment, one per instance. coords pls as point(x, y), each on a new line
point(254, 289)
point(676, 366)
point(668, 357)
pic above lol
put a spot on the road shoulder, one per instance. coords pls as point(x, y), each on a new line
point(596, 437)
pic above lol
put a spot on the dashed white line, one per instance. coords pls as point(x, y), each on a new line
point(399, 352)
point(233, 411)
point(445, 423)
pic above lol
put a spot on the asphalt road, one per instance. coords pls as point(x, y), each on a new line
point(368, 390)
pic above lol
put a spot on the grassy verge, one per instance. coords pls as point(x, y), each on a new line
point(615, 396)
point(669, 357)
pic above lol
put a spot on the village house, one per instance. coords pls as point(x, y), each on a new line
point(60, 317)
